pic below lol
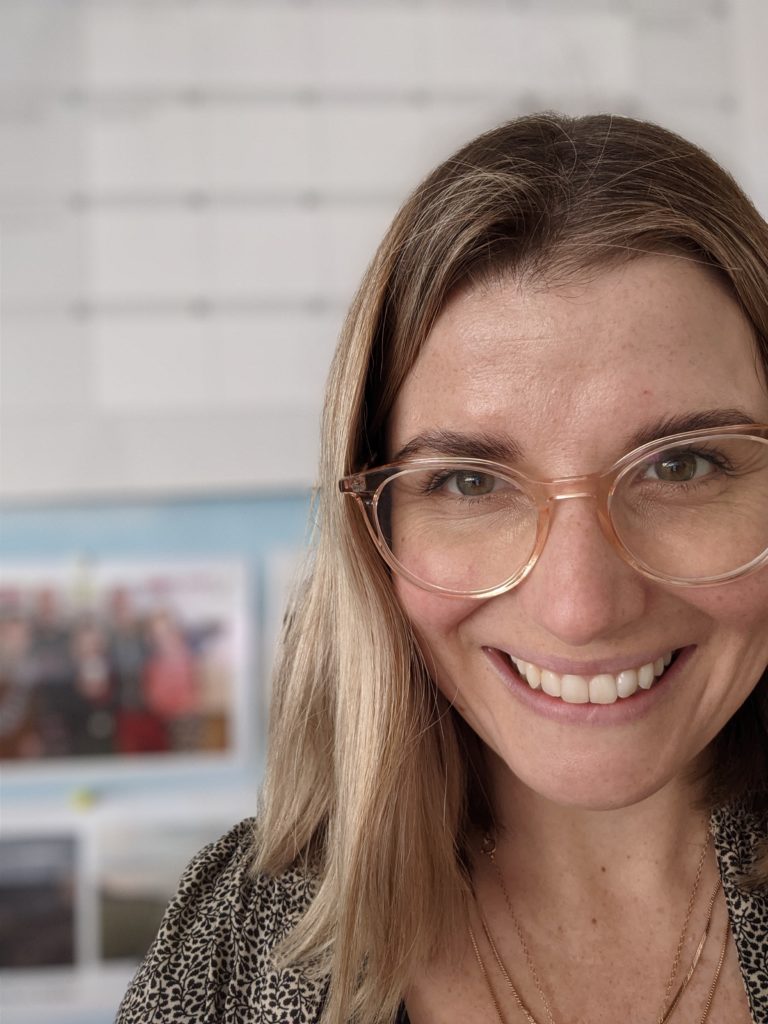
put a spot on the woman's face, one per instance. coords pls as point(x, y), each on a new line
point(569, 375)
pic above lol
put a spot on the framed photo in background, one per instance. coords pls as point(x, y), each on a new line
point(82, 897)
point(38, 897)
point(123, 663)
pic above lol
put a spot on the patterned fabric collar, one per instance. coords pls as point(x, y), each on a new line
point(737, 834)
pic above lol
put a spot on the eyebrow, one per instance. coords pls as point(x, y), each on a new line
point(503, 447)
point(684, 422)
point(481, 445)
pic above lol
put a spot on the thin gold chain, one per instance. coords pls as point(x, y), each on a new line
point(696, 957)
point(686, 922)
point(532, 1020)
point(487, 980)
point(713, 986)
point(489, 848)
point(505, 974)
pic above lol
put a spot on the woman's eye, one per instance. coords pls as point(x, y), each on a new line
point(472, 484)
point(680, 468)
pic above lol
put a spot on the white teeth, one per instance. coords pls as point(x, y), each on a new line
point(626, 682)
point(551, 683)
point(604, 688)
point(533, 675)
point(575, 690)
point(645, 676)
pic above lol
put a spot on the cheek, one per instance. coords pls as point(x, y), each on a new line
point(437, 622)
point(738, 622)
point(451, 565)
point(450, 656)
point(739, 607)
point(432, 615)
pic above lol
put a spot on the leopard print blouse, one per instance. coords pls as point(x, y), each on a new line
point(211, 961)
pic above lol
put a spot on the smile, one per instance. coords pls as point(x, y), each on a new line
point(604, 688)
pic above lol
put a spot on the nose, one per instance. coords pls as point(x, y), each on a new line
point(580, 589)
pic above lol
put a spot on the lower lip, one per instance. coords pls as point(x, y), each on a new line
point(625, 709)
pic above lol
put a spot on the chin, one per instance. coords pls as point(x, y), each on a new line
point(589, 787)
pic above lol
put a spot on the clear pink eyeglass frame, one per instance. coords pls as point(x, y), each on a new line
point(366, 487)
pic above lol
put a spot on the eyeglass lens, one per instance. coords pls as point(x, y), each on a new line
point(689, 511)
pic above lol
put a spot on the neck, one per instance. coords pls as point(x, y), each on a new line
point(649, 844)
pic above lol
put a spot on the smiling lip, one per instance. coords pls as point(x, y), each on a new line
point(623, 710)
point(589, 668)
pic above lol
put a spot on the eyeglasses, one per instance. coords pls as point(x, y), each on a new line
point(690, 509)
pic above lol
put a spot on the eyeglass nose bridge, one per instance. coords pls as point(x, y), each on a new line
point(589, 486)
point(596, 487)
point(572, 494)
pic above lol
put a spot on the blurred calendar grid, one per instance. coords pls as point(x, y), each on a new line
point(192, 189)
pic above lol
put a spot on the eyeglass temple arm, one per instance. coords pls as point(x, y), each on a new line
point(356, 485)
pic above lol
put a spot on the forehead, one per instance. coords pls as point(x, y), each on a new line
point(570, 368)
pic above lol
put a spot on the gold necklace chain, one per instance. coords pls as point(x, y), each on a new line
point(713, 986)
point(696, 957)
point(489, 848)
point(532, 1020)
point(521, 1005)
point(687, 920)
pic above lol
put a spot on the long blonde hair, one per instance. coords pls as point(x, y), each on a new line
point(371, 779)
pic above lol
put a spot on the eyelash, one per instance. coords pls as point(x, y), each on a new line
point(715, 457)
point(437, 480)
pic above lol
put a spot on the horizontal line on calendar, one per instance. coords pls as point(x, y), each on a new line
point(195, 96)
point(206, 198)
point(193, 307)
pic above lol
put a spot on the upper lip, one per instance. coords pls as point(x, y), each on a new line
point(564, 666)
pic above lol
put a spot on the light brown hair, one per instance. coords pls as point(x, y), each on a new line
point(371, 778)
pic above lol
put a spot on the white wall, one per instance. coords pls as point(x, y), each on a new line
point(190, 191)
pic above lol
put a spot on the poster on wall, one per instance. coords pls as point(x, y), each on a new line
point(122, 661)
